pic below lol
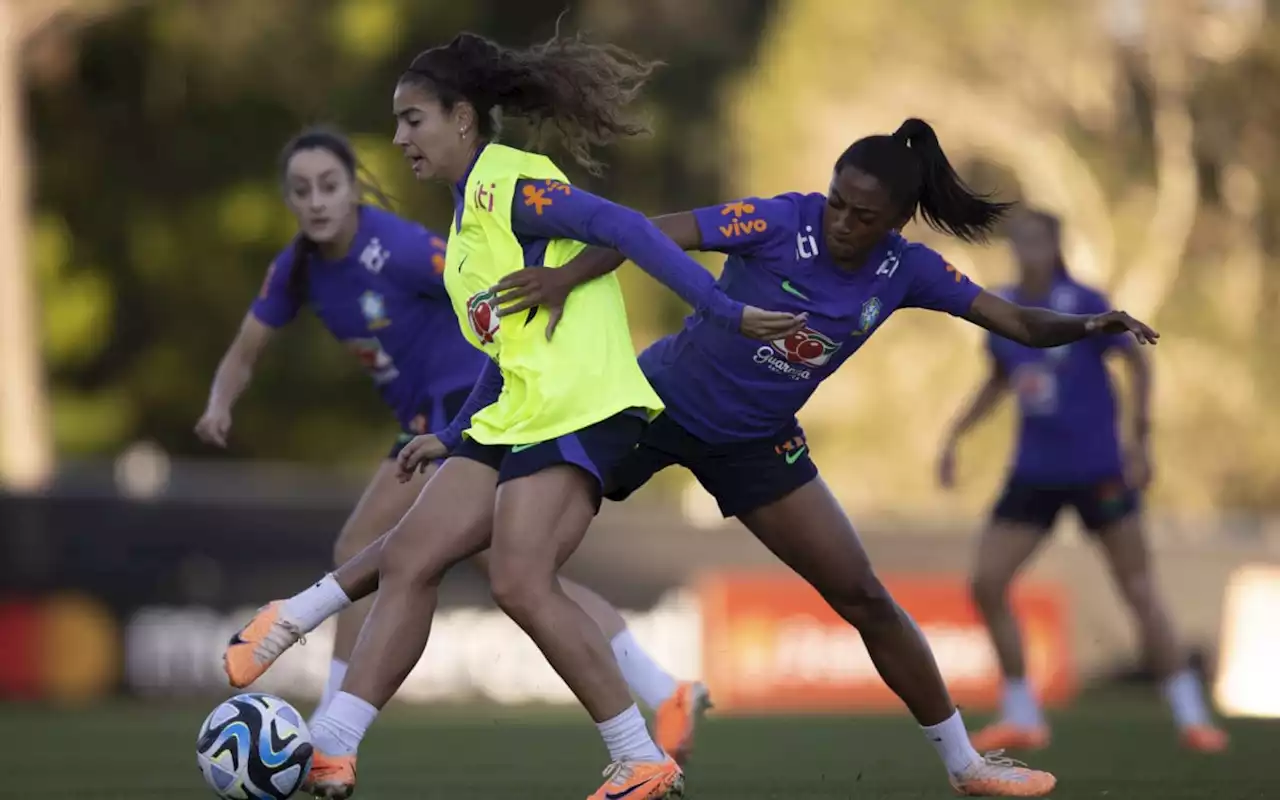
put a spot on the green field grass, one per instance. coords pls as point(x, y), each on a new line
point(1118, 747)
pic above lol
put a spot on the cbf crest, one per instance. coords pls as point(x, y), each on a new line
point(374, 308)
point(869, 316)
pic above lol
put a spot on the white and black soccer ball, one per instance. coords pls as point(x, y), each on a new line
point(254, 747)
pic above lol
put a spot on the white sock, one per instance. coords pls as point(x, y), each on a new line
point(1186, 699)
point(313, 605)
point(337, 671)
point(648, 681)
point(339, 730)
point(1019, 705)
point(627, 737)
point(951, 740)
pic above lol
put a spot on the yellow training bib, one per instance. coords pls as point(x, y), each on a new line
point(588, 372)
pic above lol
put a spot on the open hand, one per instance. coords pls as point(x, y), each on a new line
point(1114, 322)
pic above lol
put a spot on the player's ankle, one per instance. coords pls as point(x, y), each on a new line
point(951, 740)
point(344, 723)
point(627, 737)
point(313, 605)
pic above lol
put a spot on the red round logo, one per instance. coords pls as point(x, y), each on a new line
point(807, 346)
point(483, 317)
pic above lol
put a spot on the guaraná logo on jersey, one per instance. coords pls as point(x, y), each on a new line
point(795, 355)
point(483, 316)
point(807, 347)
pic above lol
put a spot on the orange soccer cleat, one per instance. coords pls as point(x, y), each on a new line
point(997, 776)
point(331, 777)
point(676, 720)
point(253, 650)
point(641, 780)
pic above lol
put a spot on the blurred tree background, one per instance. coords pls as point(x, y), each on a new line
point(1150, 125)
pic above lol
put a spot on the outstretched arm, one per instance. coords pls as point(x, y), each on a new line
point(553, 210)
point(537, 286)
point(1139, 449)
point(1042, 327)
point(232, 378)
point(979, 408)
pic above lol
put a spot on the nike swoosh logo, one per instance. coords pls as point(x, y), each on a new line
point(627, 791)
point(794, 455)
point(517, 448)
point(462, 261)
point(789, 289)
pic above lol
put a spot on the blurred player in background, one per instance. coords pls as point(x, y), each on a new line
point(526, 481)
point(374, 280)
point(1069, 453)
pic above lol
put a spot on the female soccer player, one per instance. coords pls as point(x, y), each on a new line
point(375, 281)
point(1068, 454)
point(731, 404)
point(526, 480)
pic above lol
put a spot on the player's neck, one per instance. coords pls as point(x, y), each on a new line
point(458, 173)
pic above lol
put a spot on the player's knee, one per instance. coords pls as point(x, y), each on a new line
point(862, 600)
point(988, 590)
point(351, 540)
point(407, 560)
point(518, 584)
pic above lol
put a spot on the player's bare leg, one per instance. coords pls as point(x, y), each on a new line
point(450, 522)
point(539, 522)
point(809, 531)
point(1004, 548)
point(1125, 546)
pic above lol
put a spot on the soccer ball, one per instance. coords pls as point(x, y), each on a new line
point(254, 747)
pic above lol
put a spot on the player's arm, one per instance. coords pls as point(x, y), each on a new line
point(417, 454)
point(983, 403)
point(485, 393)
point(1043, 327)
point(979, 408)
point(234, 373)
point(939, 286)
point(736, 228)
point(1139, 367)
point(1138, 453)
point(535, 286)
point(559, 211)
point(552, 210)
point(276, 305)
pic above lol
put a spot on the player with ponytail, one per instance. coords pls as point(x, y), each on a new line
point(840, 261)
